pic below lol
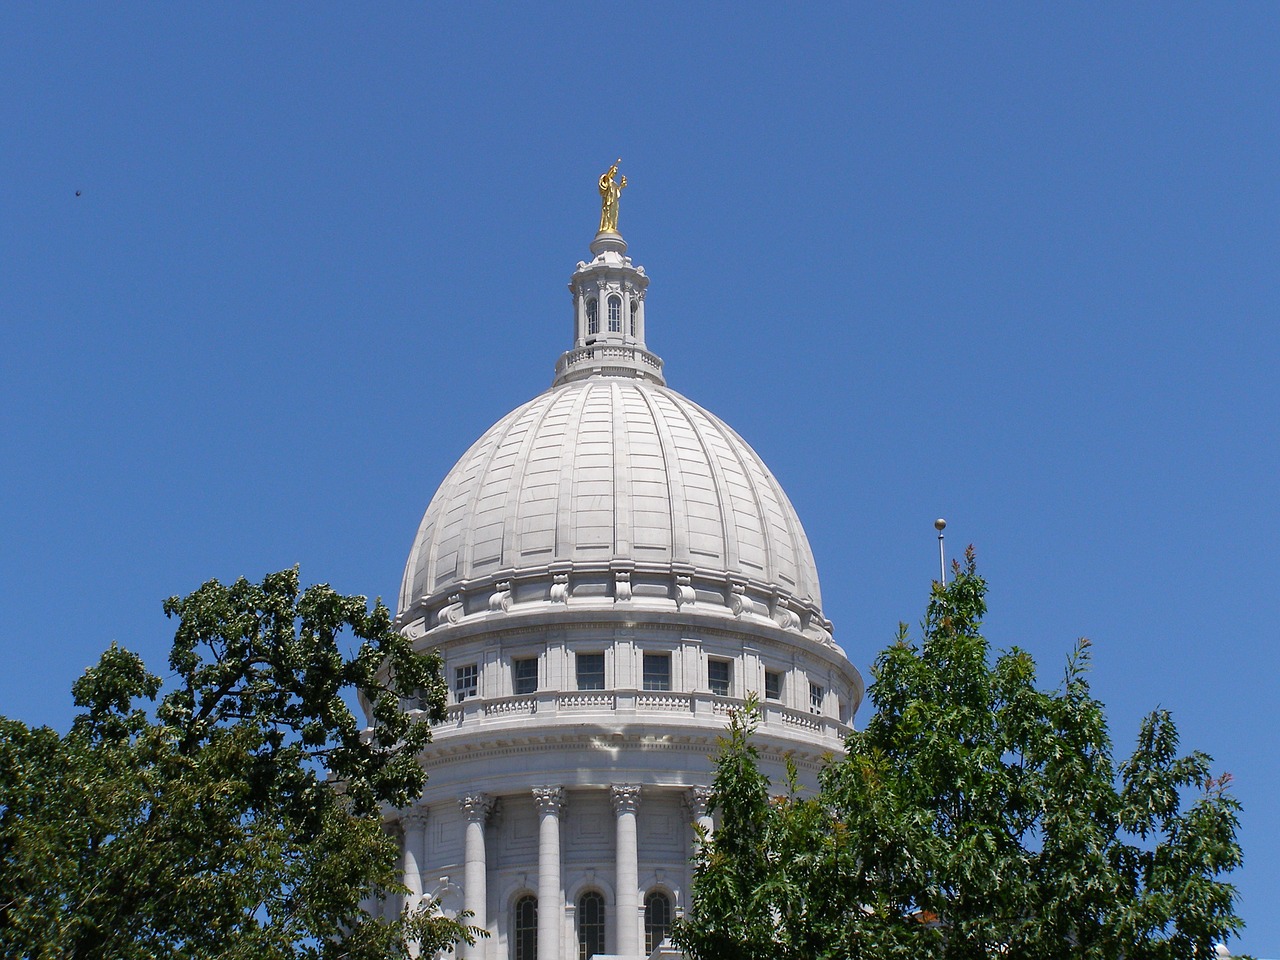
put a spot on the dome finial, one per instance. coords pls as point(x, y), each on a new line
point(610, 191)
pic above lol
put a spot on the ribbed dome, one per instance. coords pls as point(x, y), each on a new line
point(609, 468)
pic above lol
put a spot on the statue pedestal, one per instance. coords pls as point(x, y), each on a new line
point(607, 240)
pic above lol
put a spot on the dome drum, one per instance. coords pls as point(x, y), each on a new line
point(631, 588)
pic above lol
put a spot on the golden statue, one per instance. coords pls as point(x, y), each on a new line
point(610, 191)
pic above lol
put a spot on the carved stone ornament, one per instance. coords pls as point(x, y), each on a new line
point(696, 799)
point(625, 796)
point(820, 630)
point(784, 616)
point(452, 612)
point(476, 806)
point(739, 602)
point(413, 818)
point(684, 591)
point(621, 585)
point(500, 599)
point(559, 588)
point(549, 799)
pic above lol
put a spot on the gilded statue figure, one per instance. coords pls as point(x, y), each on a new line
point(610, 191)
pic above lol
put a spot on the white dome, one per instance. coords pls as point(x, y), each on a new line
point(607, 468)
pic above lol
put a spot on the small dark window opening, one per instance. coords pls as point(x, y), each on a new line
point(590, 671)
point(525, 675)
point(525, 932)
point(466, 682)
point(615, 314)
point(719, 676)
point(593, 318)
point(590, 925)
point(657, 919)
point(772, 685)
point(657, 671)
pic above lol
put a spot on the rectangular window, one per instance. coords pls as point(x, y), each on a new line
point(590, 671)
point(815, 697)
point(772, 685)
point(719, 676)
point(466, 682)
point(657, 671)
point(524, 674)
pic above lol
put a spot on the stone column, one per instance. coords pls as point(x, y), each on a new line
point(626, 797)
point(549, 800)
point(475, 894)
point(413, 824)
point(696, 799)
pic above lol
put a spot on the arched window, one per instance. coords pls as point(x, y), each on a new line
point(593, 318)
point(590, 925)
point(615, 314)
point(657, 919)
point(635, 308)
point(524, 929)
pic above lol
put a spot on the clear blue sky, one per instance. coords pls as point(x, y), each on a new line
point(1013, 266)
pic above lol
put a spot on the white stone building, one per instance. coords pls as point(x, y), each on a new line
point(606, 572)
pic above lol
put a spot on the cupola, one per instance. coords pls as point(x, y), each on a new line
point(608, 304)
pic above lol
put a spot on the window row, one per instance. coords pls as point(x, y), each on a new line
point(656, 676)
point(614, 310)
point(591, 924)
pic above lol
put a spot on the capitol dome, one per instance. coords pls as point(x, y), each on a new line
point(602, 469)
point(606, 575)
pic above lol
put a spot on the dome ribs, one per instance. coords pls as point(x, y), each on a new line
point(731, 558)
point(565, 491)
point(677, 512)
point(594, 491)
point(609, 470)
point(512, 534)
point(654, 524)
point(623, 509)
point(489, 496)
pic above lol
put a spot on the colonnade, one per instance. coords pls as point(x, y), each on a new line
point(550, 804)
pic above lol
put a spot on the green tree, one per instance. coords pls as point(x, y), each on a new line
point(237, 816)
point(975, 816)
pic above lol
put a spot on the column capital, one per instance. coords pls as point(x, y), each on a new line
point(413, 817)
point(549, 799)
point(476, 806)
point(697, 800)
point(625, 796)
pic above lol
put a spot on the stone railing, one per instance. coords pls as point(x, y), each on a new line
point(547, 705)
point(526, 703)
point(586, 700)
point(609, 355)
point(666, 702)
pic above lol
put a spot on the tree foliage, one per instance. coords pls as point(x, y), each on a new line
point(975, 816)
point(235, 816)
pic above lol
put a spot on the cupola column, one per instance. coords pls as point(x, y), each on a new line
point(475, 867)
point(626, 797)
point(550, 800)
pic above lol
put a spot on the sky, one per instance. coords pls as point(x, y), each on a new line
point(266, 271)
